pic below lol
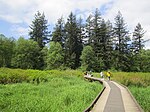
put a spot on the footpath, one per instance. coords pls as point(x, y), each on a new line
point(115, 98)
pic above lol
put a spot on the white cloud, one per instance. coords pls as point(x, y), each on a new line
point(19, 30)
point(19, 11)
point(22, 11)
point(16, 11)
point(134, 12)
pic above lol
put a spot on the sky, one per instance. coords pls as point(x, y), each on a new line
point(16, 15)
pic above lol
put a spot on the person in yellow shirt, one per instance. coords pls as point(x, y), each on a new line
point(108, 75)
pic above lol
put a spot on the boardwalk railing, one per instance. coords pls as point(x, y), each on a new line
point(97, 97)
point(139, 107)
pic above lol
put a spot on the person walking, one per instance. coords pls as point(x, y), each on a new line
point(108, 75)
point(91, 75)
point(102, 75)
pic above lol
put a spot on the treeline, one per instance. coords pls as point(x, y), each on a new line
point(95, 44)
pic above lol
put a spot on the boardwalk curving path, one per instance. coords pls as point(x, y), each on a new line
point(115, 98)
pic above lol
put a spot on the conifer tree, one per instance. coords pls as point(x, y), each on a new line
point(122, 39)
point(99, 34)
point(136, 48)
point(106, 43)
point(137, 38)
point(95, 37)
point(80, 36)
point(58, 33)
point(88, 30)
point(39, 30)
point(72, 42)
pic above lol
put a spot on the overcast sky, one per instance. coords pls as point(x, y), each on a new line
point(16, 15)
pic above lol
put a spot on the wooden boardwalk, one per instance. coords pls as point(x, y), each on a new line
point(115, 98)
point(114, 101)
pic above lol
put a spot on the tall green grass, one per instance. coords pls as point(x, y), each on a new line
point(132, 79)
point(142, 95)
point(57, 91)
point(8, 76)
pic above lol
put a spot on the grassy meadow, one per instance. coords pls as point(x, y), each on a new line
point(45, 91)
point(142, 95)
point(61, 91)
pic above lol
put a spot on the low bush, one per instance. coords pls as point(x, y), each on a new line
point(8, 76)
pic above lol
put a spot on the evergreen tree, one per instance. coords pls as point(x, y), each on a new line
point(39, 30)
point(99, 33)
point(95, 37)
point(106, 43)
point(121, 33)
point(88, 30)
point(136, 48)
point(72, 43)
point(58, 33)
point(80, 36)
point(137, 39)
point(121, 43)
point(93, 31)
point(81, 31)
